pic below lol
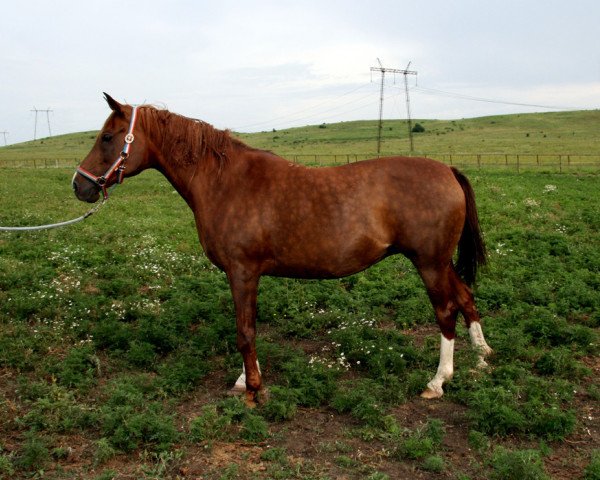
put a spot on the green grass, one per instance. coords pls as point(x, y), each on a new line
point(538, 138)
point(118, 334)
point(557, 132)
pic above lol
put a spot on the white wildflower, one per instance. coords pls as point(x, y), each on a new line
point(531, 202)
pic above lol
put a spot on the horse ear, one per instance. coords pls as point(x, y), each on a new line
point(113, 104)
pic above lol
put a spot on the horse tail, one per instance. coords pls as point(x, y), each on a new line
point(471, 247)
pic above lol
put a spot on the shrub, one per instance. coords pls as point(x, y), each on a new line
point(378, 476)
point(233, 408)
point(592, 471)
point(423, 442)
point(274, 455)
point(478, 441)
point(213, 422)
point(127, 429)
point(345, 461)
point(107, 475)
point(112, 335)
point(435, 430)
point(552, 423)
point(282, 404)
point(209, 425)
point(363, 399)
point(104, 452)
point(314, 384)
point(141, 354)
point(254, 428)
point(78, 368)
point(559, 361)
point(517, 465)
point(416, 446)
point(433, 463)
point(6, 467)
point(418, 128)
point(182, 372)
point(494, 411)
point(34, 453)
point(57, 411)
point(130, 419)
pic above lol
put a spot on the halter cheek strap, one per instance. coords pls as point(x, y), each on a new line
point(119, 164)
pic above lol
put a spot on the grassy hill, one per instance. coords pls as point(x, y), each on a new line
point(573, 132)
point(543, 133)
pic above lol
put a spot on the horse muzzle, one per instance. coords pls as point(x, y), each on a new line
point(85, 190)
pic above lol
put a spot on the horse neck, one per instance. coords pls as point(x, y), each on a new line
point(193, 179)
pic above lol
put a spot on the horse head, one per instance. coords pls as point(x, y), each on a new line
point(114, 155)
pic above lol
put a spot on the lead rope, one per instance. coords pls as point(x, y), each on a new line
point(89, 213)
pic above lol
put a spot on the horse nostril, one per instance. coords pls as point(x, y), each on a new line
point(75, 187)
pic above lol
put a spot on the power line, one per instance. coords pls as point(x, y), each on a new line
point(436, 92)
point(404, 72)
point(36, 110)
point(288, 118)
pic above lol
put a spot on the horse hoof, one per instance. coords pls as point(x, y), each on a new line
point(429, 393)
point(236, 391)
point(250, 399)
point(482, 364)
point(263, 395)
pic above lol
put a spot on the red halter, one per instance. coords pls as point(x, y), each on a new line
point(118, 166)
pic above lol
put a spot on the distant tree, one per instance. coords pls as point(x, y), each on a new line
point(418, 128)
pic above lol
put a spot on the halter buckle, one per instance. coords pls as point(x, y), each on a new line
point(129, 138)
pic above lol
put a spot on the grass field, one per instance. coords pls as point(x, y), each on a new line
point(537, 138)
point(117, 347)
point(117, 335)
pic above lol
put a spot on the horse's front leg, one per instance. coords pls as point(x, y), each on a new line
point(244, 288)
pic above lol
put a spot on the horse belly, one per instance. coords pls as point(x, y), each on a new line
point(327, 255)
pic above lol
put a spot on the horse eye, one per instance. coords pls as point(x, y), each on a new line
point(106, 137)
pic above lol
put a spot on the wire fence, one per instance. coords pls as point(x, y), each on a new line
point(505, 161)
point(556, 162)
point(40, 163)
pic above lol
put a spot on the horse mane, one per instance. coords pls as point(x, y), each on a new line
point(187, 141)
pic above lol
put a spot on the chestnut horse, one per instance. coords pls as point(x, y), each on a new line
point(258, 214)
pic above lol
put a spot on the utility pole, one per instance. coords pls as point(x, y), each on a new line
point(410, 132)
point(404, 72)
point(5, 133)
point(47, 111)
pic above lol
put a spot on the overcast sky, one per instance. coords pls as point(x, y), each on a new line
point(258, 65)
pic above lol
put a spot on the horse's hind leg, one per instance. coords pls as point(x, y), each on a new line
point(441, 293)
point(466, 305)
point(449, 295)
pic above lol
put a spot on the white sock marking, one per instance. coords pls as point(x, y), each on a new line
point(445, 368)
point(478, 340)
point(240, 383)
